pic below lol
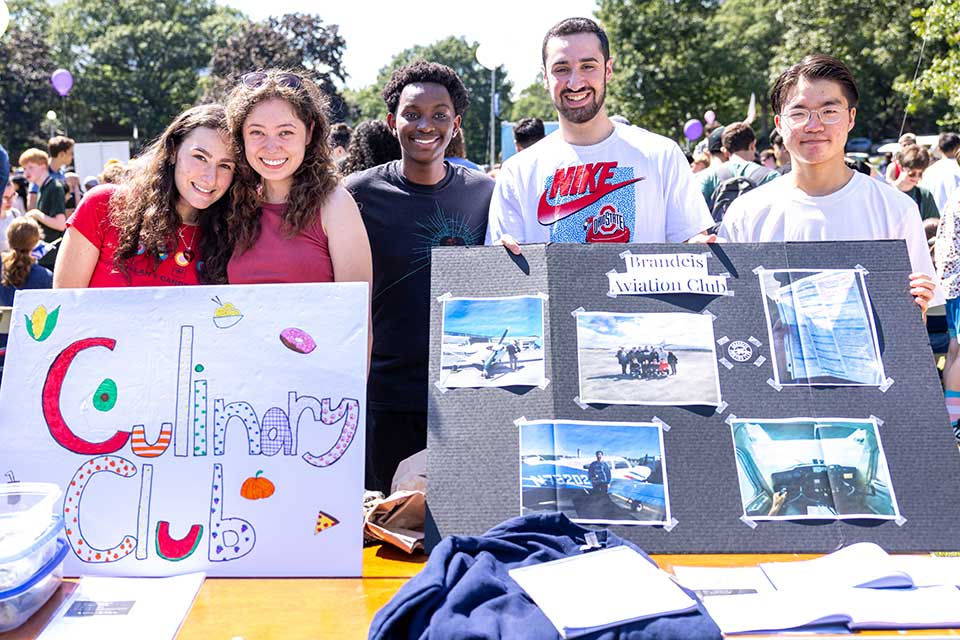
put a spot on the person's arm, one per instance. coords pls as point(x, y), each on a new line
point(57, 222)
point(349, 246)
point(687, 215)
point(76, 261)
point(505, 221)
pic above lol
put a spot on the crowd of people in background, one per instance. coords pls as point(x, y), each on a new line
point(264, 189)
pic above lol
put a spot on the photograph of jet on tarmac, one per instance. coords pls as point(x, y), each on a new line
point(804, 468)
point(647, 358)
point(594, 472)
point(492, 342)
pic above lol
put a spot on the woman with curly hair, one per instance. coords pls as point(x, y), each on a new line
point(165, 223)
point(372, 144)
point(20, 268)
point(290, 218)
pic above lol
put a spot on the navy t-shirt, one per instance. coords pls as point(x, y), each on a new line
point(404, 221)
point(38, 278)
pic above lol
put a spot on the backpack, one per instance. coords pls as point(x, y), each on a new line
point(730, 187)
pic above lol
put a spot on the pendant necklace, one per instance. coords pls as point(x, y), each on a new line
point(184, 257)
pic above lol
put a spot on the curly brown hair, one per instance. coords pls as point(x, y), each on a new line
point(23, 234)
point(144, 208)
point(313, 181)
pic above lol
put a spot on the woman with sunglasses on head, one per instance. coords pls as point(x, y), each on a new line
point(291, 220)
point(166, 223)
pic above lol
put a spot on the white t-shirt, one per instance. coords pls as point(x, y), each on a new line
point(635, 186)
point(864, 209)
point(941, 179)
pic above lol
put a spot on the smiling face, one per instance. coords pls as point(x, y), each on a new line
point(424, 123)
point(576, 76)
point(275, 143)
point(814, 142)
point(203, 170)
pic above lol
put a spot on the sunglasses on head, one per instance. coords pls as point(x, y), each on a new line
point(255, 79)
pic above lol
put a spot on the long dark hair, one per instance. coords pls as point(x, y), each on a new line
point(144, 208)
point(314, 180)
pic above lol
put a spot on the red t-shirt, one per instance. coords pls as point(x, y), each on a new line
point(275, 258)
point(92, 220)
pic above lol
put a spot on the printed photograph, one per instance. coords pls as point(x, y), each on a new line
point(594, 472)
point(821, 328)
point(492, 342)
point(647, 358)
point(812, 469)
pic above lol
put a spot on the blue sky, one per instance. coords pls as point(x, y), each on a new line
point(376, 30)
point(608, 330)
point(489, 317)
point(621, 440)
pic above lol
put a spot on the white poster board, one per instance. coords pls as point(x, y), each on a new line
point(89, 158)
point(216, 429)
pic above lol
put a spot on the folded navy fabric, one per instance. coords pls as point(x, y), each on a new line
point(464, 591)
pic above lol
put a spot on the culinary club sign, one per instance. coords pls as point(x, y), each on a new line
point(215, 429)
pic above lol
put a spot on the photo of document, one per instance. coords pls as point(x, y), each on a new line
point(821, 328)
point(812, 469)
point(647, 358)
point(594, 472)
point(492, 342)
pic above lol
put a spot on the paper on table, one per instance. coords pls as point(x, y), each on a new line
point(928, 571)
point(121, 608)
point(926, 608)
point(863, 564)
point(709, 582)
point(623, 587)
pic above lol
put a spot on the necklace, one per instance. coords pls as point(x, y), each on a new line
point(183, 258)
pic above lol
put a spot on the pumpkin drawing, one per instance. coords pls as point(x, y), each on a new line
point(256, 487)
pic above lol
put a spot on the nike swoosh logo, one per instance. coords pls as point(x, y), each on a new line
point(549, 213)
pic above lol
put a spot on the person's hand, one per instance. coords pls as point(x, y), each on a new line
point(922, 288)
point(778, 499)
point(36, 214)
point(705, 238)
point(508, 241)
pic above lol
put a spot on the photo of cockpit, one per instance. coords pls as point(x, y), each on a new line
point(805, 468)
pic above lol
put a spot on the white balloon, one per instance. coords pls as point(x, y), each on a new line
point(4, 17)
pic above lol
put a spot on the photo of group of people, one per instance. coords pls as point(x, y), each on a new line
point(594, 472)
point(647, 358)
point(492, 342)
point(805, 468)
point(821, 327)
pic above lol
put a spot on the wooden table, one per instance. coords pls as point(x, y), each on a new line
point(292, 609)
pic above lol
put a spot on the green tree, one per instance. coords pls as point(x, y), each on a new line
point(134, 62)
point(533, 102)
point(365, 104)
point(662, 60)
point(940, 80)
point(25, 67)
point(459, 55)
point(298, 42)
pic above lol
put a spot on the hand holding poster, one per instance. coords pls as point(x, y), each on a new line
point(215, 429)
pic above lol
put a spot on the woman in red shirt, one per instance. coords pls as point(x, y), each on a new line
point(291, 219)
point(165, 224)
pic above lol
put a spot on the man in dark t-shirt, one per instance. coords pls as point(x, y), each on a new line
point(409, 206)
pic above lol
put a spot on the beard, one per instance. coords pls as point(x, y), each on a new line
point(586, 113)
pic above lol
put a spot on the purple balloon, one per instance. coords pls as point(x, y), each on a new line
point(693, 129)
point(62, 81)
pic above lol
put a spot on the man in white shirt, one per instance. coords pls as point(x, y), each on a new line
point(942, 178)
point(593, 180)
point(814, 103)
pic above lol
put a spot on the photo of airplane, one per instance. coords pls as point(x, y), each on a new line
point(566, 467)
point(479, 349)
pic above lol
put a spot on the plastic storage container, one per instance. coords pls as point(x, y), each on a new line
point(21, 602)
point(32, 549)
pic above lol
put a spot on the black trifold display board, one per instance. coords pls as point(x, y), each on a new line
point(473, 441)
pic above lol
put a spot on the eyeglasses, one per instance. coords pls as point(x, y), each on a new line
point(827, 115)
point(255, 79)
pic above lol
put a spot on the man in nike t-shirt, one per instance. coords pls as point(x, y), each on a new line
point(593, 180)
